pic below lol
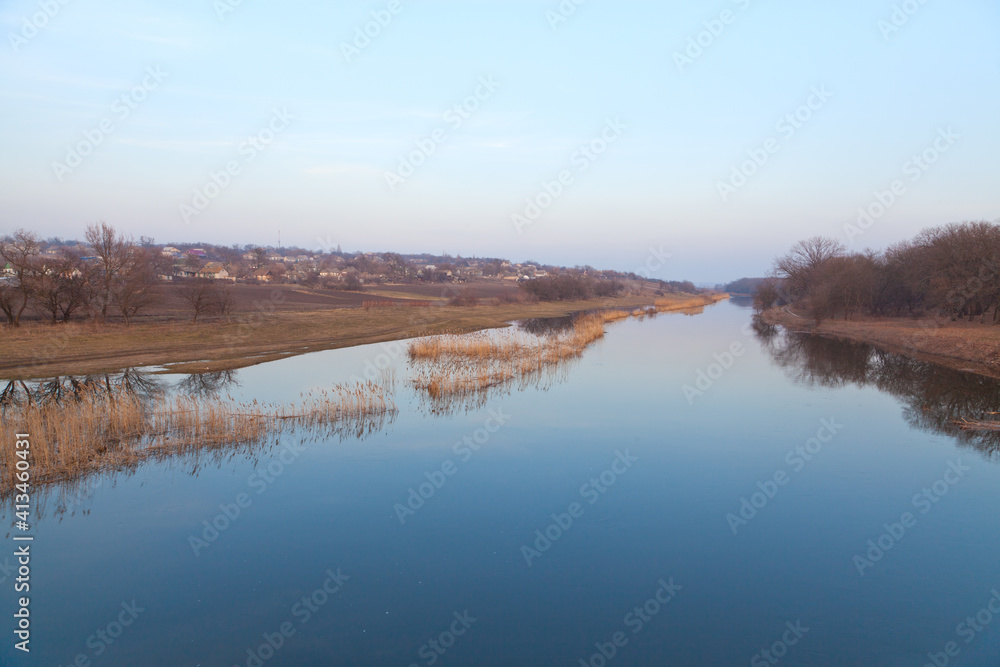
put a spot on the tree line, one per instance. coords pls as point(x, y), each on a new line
point(571, 287)
point(951, 270)
point(117, 278)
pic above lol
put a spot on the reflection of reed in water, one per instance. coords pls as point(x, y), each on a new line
point(72, 495)
point(100, 429)
point(935, 398)
point(461, 371)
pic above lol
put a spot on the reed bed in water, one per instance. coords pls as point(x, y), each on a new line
point(96, 431)
point(456, 366)
point(696, 301)
point(464, 368)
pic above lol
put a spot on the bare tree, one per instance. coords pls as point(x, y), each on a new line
point(767, 294)
point(20, 250)
point(225, 301)
point(953, 270)
point(799, 268)
point(133, 288)
point(206, 297)
point(259, 258)
point(63, 285)
point(113, 252)
point(199, 294)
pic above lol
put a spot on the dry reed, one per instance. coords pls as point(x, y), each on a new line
point(468, 366)
point(97, 432)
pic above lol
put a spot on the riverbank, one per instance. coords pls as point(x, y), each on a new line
point(962, 345)
point(265, 334)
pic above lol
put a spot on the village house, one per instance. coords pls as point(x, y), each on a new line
point(213, 273)
point(263, 275)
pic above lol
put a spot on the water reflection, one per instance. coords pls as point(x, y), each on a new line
point(133, 382)
point(547, 326)
point(204, 385)
point(476, 398)
point(935, 398)
point(98, 426)
point(129, 382)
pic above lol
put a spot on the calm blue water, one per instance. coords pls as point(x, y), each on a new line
point(648, 485)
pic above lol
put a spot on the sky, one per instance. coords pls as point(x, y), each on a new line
point(689, 140)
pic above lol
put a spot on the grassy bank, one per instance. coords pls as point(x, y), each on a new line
point(962, 345)
point(263, 333)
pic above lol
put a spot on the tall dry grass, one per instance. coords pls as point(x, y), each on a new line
point(97, 431)
point(467, 367)
point(694, 301)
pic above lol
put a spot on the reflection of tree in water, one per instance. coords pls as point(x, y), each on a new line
point(130, 382)
point(543, 326)
point(934, 397)
point(207, 384)
point(741, 301)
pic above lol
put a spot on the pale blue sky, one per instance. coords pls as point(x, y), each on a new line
point(323, 177)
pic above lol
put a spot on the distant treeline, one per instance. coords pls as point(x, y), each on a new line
point(571, 287)
point(953, 270)
point(743, 286)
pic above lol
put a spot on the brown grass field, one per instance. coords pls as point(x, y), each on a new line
point(961, 344)
point(271, 326)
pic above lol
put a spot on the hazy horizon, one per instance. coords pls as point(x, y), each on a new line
point(163, 98)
